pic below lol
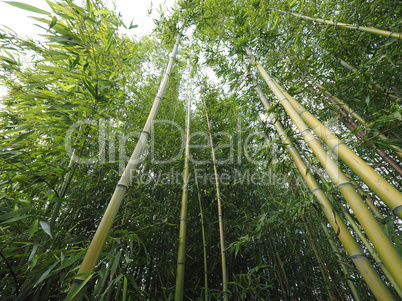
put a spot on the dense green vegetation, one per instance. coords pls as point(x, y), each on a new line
point(75, 108)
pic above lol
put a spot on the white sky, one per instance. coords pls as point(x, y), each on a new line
point(137, 10)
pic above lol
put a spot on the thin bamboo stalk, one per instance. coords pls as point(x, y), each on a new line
point(369, 274)
point(282, 278)
point(183, 218)
point(387, 251)
point(372, 252)
point(345, 270)
point(76, 292)
point(321, 264)
point(389, 34)
point(283, 272)
point(225, 279)
point(204, 244)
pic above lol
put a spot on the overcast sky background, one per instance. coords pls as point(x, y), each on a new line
point(19, 20)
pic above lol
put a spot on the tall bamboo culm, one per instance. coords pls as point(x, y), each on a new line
point(204, 244)
point(369, 274)
point(377, 235)
point(225, 278)
point(77, 292)
point(345, 270)
point(183, 217)
point(389, 34)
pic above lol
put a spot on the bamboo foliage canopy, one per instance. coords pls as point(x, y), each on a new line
point(305, 182)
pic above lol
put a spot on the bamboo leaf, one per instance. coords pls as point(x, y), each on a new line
point(102, 12)
point(125, 288)
point(72, 294)
point(115, 264)
point(53, 23)
point(45, 227)
point(28, 7)
point(33, 227)
point(46, 273)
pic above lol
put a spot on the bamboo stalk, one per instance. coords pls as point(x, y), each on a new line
point(373, 252)
point(321, 264)
point(369, 274)
point(373, 30)
point(225, 279)
point(387, 251)
point(204, 244)
point(282, 277)
point(183, 218)
point(98, 241)
point(283, 272)
point(345, 270)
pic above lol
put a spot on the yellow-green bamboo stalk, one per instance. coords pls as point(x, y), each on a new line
point(345, 270)
point(204, 245)
point(373, 253)
point(76, 292)
point(181, 256)
point(387, 251)
point(369, 274)
point(389, 34)
point(389, 194)
point(225, 278)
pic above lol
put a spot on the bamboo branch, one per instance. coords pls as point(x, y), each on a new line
point(389, 34)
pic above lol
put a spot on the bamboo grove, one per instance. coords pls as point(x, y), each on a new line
point(265, 141)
